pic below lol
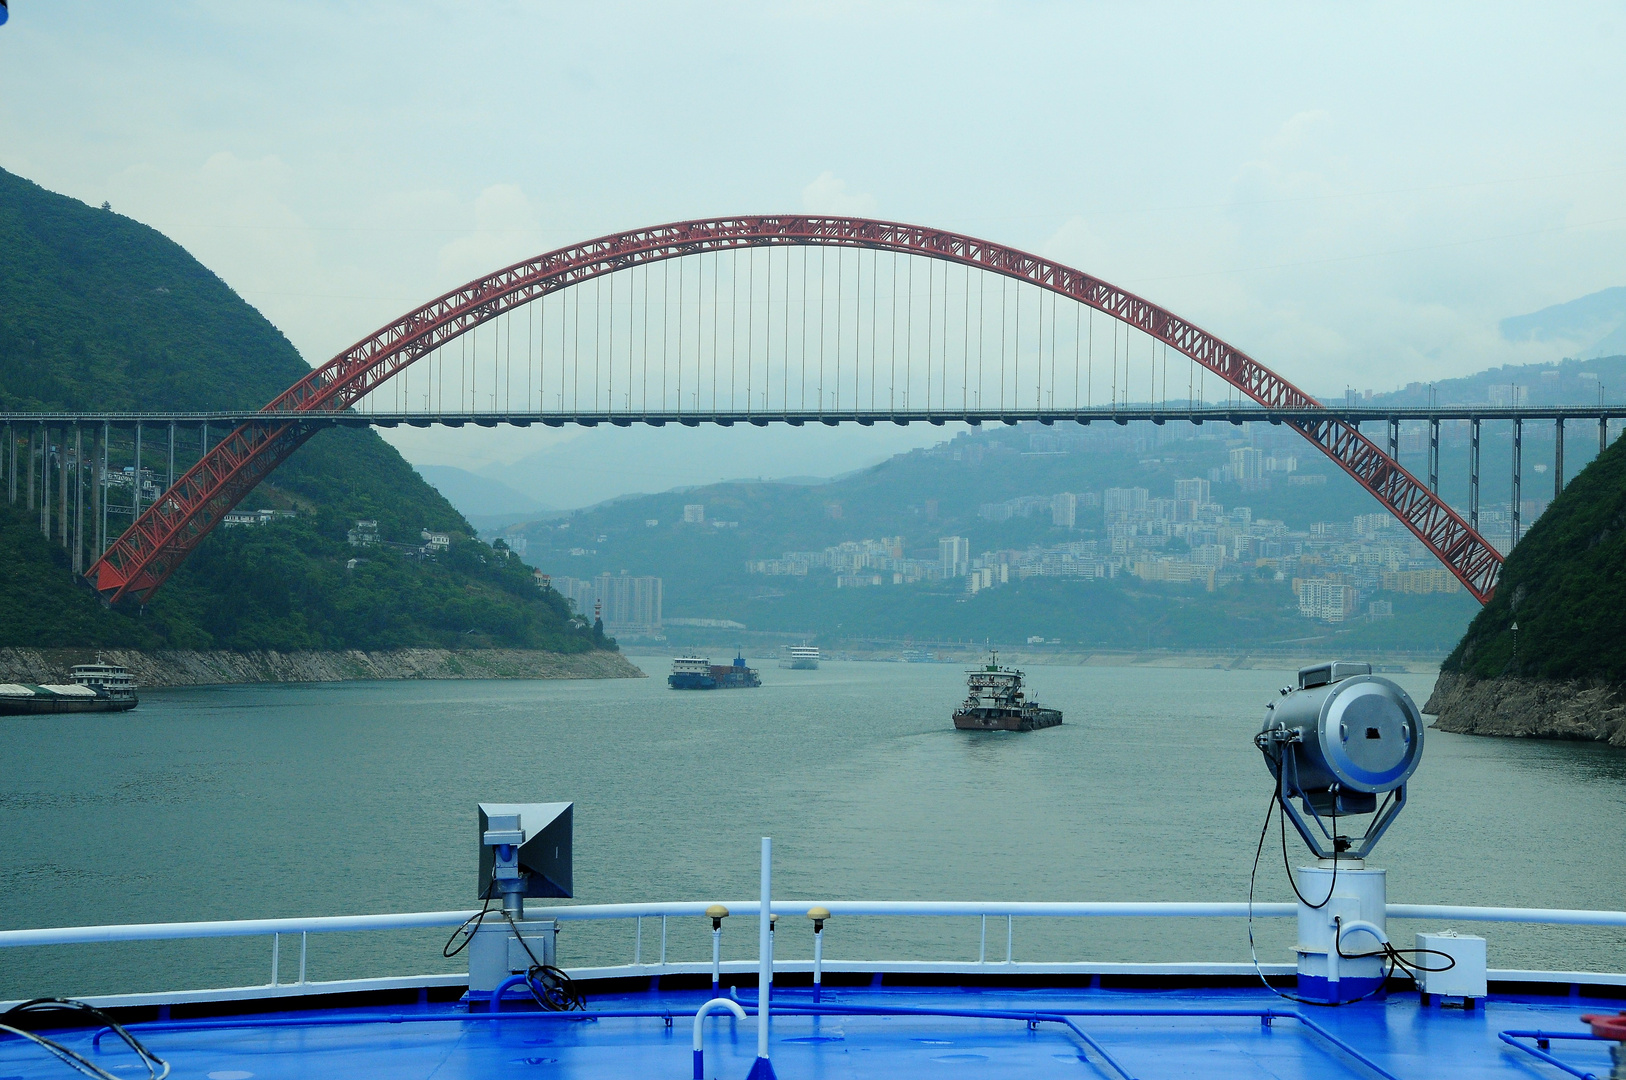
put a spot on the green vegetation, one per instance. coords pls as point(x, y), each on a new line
point(1565, 587)
point(98, 311)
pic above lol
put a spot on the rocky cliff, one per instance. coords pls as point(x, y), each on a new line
point(1535, 708)
point(187, 667)
point(1546, 658)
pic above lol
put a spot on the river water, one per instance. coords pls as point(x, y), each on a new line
point(261, 801)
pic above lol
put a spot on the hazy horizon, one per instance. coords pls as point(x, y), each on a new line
point(1355, 195)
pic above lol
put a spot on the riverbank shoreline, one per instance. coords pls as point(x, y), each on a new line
point(188, 667)
point(1051, 656)
point(1577, 709)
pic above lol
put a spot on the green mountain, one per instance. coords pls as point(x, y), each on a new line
point(1565, 588)
point(99, 311)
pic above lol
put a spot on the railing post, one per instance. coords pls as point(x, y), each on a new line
point(818, 914)
point(982, 945)
point(762, 1069)
point(302, 936)
point(663, 941)
point(716, 913)
point(276, 947)
point(1010, 936)
point(638, 943)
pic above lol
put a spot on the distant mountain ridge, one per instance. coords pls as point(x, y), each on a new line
point(1594, 324)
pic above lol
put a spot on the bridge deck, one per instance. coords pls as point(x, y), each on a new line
point(1123, 414)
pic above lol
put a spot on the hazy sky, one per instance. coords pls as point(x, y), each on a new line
point(1355, 193)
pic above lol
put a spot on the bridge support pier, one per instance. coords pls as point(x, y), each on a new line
point(1473, 476)
point(1394, 439)
point(1558, 458)
point(1603, 434)
point(1434, 454)
point(11, 454)
point(31, 448)
point(45, 481)
point(62, 519)
point(1518, 458)
point(135, 476)
point(98, 488)
point(78, 500)
point(169, 475)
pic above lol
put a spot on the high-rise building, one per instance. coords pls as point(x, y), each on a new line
point(1064, 510)
point(630, 606)
point(1193, 490)
point(1121, 502)
point(694, 513)
point(954, 554)
point(1329, 601)
point(1247, 463)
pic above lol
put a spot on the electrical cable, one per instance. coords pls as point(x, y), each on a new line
point(557, 992)
point(1390, 954)
point(157, 1067)
point(1282, 819)
point(476, 919)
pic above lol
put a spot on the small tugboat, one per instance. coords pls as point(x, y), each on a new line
point(995, 702)
point(699, 673)
point(96, 687)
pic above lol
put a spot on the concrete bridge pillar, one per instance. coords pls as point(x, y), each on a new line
point(62, 518)
point(1473, 477)
point(1558, 458)
point(1518, 469)
point(98, 489)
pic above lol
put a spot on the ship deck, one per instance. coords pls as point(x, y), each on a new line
point(877, 1031)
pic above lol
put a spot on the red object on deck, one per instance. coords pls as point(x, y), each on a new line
point(1607, 1026)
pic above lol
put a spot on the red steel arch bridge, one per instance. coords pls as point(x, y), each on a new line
point(788, 319)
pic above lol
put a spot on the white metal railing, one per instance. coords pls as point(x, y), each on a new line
point(981, 910)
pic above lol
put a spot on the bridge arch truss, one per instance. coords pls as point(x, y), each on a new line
point(141, 559)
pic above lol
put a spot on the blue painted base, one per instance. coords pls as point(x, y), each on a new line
point(761, 1069)
point(1316, 988)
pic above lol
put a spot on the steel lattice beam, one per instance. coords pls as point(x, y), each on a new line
point(163, 535)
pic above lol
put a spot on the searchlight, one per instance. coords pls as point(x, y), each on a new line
point(1341, 744)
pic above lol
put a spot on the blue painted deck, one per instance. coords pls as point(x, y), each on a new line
point(1402, 1037)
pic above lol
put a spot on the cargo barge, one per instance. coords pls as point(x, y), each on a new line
point(95, 688)
point(699, 673)
point(995, 701)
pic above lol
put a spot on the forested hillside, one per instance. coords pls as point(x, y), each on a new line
point(99, 311)
point(1565, 587)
